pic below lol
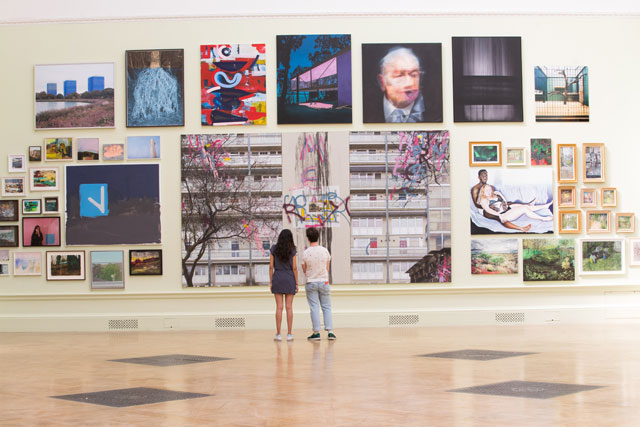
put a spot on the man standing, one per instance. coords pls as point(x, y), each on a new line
point(315, 264)
point(399, 80)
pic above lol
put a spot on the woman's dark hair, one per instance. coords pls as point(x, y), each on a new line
point(285, 246)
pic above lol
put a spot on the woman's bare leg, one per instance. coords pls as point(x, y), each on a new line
point(289, 305)
point(279, 306)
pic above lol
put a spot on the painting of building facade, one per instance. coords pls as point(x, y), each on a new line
point(562, 94)
point(314, 78)
point(233, 84)
point(400, 207)
point(231, 207)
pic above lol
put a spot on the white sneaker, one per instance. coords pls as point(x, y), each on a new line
point(289, 337)
point(278, 337)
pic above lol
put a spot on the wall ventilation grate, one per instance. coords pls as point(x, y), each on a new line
point(403, 319)
point(231, 322)
point(510, 317)
point(123, 324)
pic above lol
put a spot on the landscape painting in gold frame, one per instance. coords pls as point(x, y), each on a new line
point(598, 221)
point(567, 196)
point(608, 197)
point(569, 222)
point(625, 222)
point(588, 198)
point(567, 167)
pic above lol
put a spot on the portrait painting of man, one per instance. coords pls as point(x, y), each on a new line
point(402, 83)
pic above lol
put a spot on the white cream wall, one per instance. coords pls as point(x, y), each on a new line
point(606, 44)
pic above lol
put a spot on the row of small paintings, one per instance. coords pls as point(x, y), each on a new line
point(88, 149)
point(107, 267)
point(40, 179)
point(553, 259)
point(9, 209)
point(489, 153)
point(570, 222)
point(588, 197)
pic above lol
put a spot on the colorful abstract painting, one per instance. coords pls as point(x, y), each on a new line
point(113, 204)
point(155, 87)
point(541, 152)
point(233, 84)
point(314, 78)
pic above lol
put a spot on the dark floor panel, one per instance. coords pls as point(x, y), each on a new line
point(529, 389)
point(170, 360)
point(476, 354)
point(130, 396)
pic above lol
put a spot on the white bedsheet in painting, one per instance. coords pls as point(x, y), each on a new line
point(521, 185)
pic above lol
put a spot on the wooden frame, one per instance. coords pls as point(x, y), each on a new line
point(51, 205)
point(595, 218)
point(601, 256)
point(145, 262)
point(629, 224)
point(634, 252)
point(567, 166)
point(608, 197)
point(570, 222)
point(44, 178)
point(493, 151)
point(61, 265)
point(13, 186)
point(9, 210)
point(35, 153)
point(516, 156)
point(567, 196)
point(593, 162)
point(31, 206)
point(9, 236)
point(592, 198)
point(16, 163)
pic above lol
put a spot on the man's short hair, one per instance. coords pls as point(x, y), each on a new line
point(312, 234)
point(395, 52)
point(481, 170)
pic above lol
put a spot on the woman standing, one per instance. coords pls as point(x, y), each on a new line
point(283, 274)
point(36, 236)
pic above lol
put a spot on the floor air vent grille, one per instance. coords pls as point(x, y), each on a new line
point(122, 324)
point(510, 317)
point(403, 319)
point(230, 322)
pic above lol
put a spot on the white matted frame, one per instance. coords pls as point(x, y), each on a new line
point(601, 256)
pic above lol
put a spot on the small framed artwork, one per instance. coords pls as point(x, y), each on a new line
point(485, 153)
point(602, 256)
point(27, 263)
point(541, 152)
point(609, 197)
point(51, 205)
point(58, 149)
point(9, 236)
point(588, 198)
point(35, 153)
point(5, 263)
point(567, 168)
point(13, 186)
point(593, 159)
point(625, 222)
point(44, 179)
point(8, 210)
point(598, 221)
point(516, 156)
point(17, 162)
point(107, 270)
point(634, 252)
point(569, 222)
point(88, 149)
point(143, 147)
point(112, 152)
point(41, 231)
point(65, 265)
point(567, 196)
point(145, 262)
point(31, 206)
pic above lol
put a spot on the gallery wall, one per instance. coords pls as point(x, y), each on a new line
point(601, 43)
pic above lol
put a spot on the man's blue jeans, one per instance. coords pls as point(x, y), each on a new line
point(319, 296)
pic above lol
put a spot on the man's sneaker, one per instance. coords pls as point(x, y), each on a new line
point(278, 337)
point(331, 336)
point(314, 336)
point(289, 337)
